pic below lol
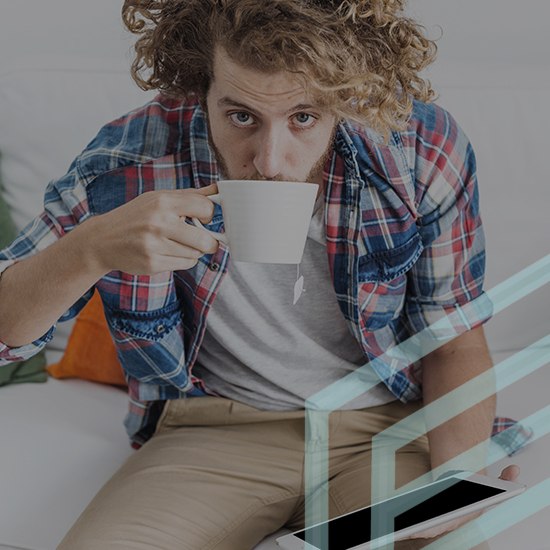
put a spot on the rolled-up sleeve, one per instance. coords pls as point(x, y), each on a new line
point(65, 206)
point(447, 280)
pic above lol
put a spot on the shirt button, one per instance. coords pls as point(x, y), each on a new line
point(160, 329)
point(214, 266)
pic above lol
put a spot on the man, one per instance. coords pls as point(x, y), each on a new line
point(319, 91)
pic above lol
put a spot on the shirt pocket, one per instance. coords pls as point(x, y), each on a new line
point(385, 265)
point(383, 282)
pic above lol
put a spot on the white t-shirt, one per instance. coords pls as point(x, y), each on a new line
point(263, 351)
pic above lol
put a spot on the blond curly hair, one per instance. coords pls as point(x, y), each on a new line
point(363, 56)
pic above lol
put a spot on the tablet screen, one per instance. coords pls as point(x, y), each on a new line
point(353, 529)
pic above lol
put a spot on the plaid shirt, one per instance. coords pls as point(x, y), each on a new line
point(404, 242)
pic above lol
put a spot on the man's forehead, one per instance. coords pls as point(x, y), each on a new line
point(238, 85)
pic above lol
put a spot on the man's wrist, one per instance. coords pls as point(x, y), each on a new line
point(90, 242)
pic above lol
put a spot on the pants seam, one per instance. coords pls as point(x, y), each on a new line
point(338, 502)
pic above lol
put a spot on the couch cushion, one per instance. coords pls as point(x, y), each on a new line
point(19, 372)
point(90, 353)
point(61, 441)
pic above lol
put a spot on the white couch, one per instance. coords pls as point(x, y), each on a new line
point(60, 441)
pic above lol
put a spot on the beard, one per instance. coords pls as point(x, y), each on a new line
point(313, 173)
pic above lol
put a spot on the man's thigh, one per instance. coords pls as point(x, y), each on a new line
point(197, 488)
point(221, 475)
point(351, 467)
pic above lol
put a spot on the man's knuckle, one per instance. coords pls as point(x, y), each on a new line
point(148, 243)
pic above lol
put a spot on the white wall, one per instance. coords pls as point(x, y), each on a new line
point(75, 27)
point(485, 30)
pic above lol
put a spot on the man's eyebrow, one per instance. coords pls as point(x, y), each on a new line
point(228, 102)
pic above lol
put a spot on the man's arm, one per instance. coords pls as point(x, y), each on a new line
point(35, 292)
point(444, 370)
point(146, 236)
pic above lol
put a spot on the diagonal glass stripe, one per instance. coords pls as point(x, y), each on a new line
point(387, 442)
point(413, 349)
point(497, 520)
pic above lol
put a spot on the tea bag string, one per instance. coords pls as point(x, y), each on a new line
point(298, 285)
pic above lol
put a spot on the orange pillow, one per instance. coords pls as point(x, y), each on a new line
point(90, 352)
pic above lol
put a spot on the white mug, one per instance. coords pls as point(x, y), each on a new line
point(265, 221)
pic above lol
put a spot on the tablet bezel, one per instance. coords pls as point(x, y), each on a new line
point(511, 489)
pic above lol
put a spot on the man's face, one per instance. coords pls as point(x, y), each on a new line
point(264, 126)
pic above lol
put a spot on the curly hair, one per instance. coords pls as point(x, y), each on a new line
point(364, 57)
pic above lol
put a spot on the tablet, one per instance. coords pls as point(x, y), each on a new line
point(414, 511)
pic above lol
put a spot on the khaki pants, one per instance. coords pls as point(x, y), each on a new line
point(222, 475)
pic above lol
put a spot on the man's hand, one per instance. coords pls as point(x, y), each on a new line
point(149, 234)
point(510, 473)
point(146, 236)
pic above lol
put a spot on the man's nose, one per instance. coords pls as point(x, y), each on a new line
point(269, 159)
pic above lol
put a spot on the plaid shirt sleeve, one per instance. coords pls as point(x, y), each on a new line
point(66, 201)
point(65, 206)
point(447, 279)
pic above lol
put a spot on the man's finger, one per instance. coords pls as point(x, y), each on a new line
point(208, 190)
point(510, 473)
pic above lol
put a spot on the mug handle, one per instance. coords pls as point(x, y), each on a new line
point(222, 237)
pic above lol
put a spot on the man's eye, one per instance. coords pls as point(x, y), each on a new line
point(242, 119)
point(303, 119)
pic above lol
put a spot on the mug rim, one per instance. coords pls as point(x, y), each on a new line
point(267, 181)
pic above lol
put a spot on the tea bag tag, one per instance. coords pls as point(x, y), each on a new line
point(298, 286)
